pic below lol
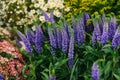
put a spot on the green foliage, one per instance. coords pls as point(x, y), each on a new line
point(93, 6)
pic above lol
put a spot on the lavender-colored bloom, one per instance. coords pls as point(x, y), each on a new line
point(112, 28)
point(95, 72)
point(71, 52)
point(52, 38)
point(52, 77)
point(1, 77)
point(28, 46)
point(87, 17)
point(74, 25)
point(30, 36)
point(65, 41)
point(88, 27)
point(38, 39)
point(50, 19)
point(18, 42)
point(104, 37)
point(116, 39)
point(96, 37)
point(66, 27)
point(59, 38)
point(80, 32)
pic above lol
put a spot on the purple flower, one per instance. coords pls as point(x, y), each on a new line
point(71, 51)
point(104, 37)
point(65, 41)
point(66, 27)
point(50, 19)
point(95, 72)
point(112, 28)
point(96, 37)
point(18, 42)
point(74, 26)
point(52, 77)
point(88, 27)
point(38, 39)
point(1, 77)
point(86, 16)
point(80, 32)
point(52, 38)
point(116, 39)
point(30, 36)
point(26, 42)
point(59, 38)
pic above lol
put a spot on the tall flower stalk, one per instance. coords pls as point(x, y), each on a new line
point(112, 27)
point(65, 41)
point(95, 72)
point(52, 39)
point(96, 36)
point(116, 39)
point(28, 45)
point(71, 50)
point(38, 39)
point(74, 26)
point(80, 32)
point(104, 37)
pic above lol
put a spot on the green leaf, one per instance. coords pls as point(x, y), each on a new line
point(73, 69)
point(116, 76)
point(60, 63)
point(107, 68)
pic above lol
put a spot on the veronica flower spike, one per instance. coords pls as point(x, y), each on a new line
point(104, 37)
point(71, 50)
point(1, 77)
point(28, 45)
point(116, 39)
point(95, 72)
point(38, 38)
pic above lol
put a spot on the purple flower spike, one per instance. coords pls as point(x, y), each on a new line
point(116, 39)
point(30, 36)
point(52, 77)
point(71, 52)
point(104, 37)
point(38, 39)
point(74, 26)
point(80, 32)
point(66, 27)
point(52, 38)
point(65, 41)
point(1, 77)
point(26, 42)
point(18, 42)
point(50, 19)
point(112, 28)
point(88, 27)
point(59, 38)
point(95, 72)
point(96, 37)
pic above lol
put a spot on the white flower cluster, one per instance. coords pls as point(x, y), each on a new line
point(20, 12)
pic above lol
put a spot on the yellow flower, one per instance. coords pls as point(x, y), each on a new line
point(67, 9)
